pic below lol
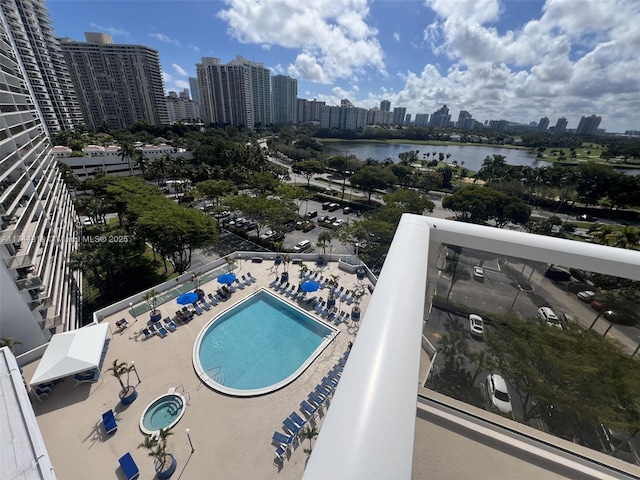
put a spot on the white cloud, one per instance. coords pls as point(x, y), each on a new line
point(179, 70)
point(396, 35)
point(333, 36)
point(181, 84)
point(266, 46)
point(111, 30)
point(194, 48)
point(164, 38)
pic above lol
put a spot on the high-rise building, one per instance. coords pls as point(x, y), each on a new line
point(398, 115)
point(385, 105)
point(308, 110)
point(407, 119)
point(543, 124)
point(117, 85)
point(500, 125)
point(440, 118)
point(588, 125)
point(343, 118)
point(284, 99)
point(260, 89)
point(38, 230)
point(39, 51)
point(561, 126)
point(464, 120)
point(422, 119)
point(181, 108)
point(195, 90)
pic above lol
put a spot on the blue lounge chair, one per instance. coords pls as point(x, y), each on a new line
point(323, 390)
point(146, 334)
point(109, 422)
point(205, 304)
point(282, 439)
point(292, 427)
point(307, 409)
point(239, 284)
point(315, 398)
point(162, 331)
point(251, 277)
point(197, 309)
point(42, 392)
point(232, 287)
point(332, 374)
point(297, 419)
point(281, 452)
point(86, 378)
point(169, 325)
point(129, 467)
point(329, 383)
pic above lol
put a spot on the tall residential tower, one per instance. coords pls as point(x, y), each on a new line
point(117, 85)
point(284, 97)
point(39, 52)
point(39, 293)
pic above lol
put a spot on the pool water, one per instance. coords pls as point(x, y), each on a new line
point(259, 344)
point(162, 413)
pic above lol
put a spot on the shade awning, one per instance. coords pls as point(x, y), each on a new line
point(71, 352)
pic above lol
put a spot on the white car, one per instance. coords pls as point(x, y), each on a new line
point(267, 235)
point(476, 326)
point(549, 316)
point(478, 273)
point(586, 295)
point(338, 223)
point(498, 394)
point(87, 222)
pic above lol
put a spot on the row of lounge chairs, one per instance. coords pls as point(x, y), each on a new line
point(294, 425)
point(93, 375)
point(162, 329)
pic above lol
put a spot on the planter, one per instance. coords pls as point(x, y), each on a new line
point(128, 396)
point(331, 302)
point(285, 277)
point(156, 318)
point(355, 313)
point(321, 262)
point(278, 259)
point(360, 273)
point(169, 468)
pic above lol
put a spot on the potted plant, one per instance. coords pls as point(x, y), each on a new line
point(151, 297)
point(286, 260)
point(360, 273)
point(127, 393)
point(332, 283)
point(303, 269)
point(357, 294)
point(165, 463)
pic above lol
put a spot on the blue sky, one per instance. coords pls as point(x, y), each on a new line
point(517, 60)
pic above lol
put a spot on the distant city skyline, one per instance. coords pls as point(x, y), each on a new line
point(496, 59)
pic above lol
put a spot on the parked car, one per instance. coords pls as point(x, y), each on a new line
point(476, 326)
point(312, 214)
point(499, 397)
point(619, 317)
point(478, 273)
point(333, 207)
point(547, 315)
point(325, 205)
point(302, 246)
point(586, 218)
point(338, 223)
point(308, 226)
point(347, 210)
point(267, 235)
point(586, 295)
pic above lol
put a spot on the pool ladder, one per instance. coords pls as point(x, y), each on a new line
point(217, 375)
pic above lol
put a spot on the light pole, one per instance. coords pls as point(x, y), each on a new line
point(133, 312)
point(133, 365)
point(187, 431)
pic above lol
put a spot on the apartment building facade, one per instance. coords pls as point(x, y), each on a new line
point(284, 96)
point(116, 84)
point(38, 228)
point(32, 36)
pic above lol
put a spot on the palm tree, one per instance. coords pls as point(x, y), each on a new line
point(9, 342)
point(309, 433)
point(118, 370)
point(128, 152)
point(627, 237)
point(157, 449)
point(325, 239)
point(151, 297)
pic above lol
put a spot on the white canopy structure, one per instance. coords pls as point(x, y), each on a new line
point(71, 352)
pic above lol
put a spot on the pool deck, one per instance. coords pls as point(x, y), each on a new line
point(231, 435)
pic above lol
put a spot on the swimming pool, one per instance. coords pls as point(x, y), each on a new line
point(164, 412)
point(258, 346)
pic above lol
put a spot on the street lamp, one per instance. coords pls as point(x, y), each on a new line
point(187, 431)
point(133, 312)
point(133, 366)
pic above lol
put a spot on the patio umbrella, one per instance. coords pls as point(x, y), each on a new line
point(227, 278)
point(309, 286)
point(187, 298)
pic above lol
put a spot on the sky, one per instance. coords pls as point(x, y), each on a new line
point(517, 60)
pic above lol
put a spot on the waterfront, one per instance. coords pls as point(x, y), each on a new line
point(472, 155)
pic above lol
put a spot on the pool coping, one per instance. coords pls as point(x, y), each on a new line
point(204, 377)
point(172, 424)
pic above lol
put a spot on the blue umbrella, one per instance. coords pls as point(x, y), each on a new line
point(187, 298)
point(227, 278)
point(309, 286)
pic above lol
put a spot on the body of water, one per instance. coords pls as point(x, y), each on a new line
point(471, 155)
